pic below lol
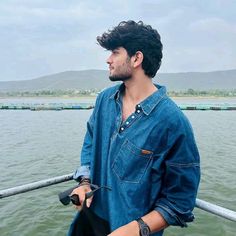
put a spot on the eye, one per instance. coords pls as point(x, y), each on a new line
point(115, 51)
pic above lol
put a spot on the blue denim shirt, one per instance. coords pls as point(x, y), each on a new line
point(150, 161)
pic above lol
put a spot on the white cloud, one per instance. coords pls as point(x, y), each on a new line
point(42, 37)
point(213, 25)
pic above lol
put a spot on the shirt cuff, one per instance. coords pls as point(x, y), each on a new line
point(171, 218)
point(82, 171)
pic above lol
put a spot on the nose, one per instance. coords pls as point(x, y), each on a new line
point(108, 61)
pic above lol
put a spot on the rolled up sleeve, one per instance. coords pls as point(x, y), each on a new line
point(181, 178)
point(81, 171)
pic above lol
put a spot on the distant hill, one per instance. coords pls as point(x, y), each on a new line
point(91, 79)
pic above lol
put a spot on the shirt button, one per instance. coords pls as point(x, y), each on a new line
point(127, 122)
point(132, 117)
point(122, 128)
point(138, 111)
point(138, 105)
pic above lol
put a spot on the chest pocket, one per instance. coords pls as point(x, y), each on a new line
point(131, 162)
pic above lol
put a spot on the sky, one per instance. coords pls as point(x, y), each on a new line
point(43, 37)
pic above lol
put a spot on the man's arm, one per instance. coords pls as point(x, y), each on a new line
point(182, 175)
point(154, 220)
point(84, 170)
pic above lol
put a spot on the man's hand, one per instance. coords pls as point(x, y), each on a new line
point(131, 229)
point(81, 191)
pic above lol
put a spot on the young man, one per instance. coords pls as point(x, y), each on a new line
point(138, 142)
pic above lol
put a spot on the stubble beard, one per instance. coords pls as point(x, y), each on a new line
point(120, 77)
point(124, 75)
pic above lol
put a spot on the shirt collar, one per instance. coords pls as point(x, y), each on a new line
point(152, 101)
point(149, 103)
point(118, 92)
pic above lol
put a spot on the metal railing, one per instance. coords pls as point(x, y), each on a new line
point(201, 204)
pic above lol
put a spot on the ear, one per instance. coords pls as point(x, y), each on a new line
point(137, 59)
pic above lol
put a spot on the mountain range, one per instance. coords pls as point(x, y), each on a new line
point(98, 79)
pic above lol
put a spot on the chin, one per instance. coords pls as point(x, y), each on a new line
point(119, 78)
point(113, 78)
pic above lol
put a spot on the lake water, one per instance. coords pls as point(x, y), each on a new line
point(36, 145)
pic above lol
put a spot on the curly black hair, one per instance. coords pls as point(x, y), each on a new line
point(136, 36)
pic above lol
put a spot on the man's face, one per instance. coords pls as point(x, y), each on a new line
point(119, 65)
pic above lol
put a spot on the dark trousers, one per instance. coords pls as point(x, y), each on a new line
point(87, 223)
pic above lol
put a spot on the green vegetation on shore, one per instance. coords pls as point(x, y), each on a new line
point(202, 93)
point(52, 93)
point(94, 92)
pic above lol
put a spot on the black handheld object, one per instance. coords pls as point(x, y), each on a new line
point(65, 197)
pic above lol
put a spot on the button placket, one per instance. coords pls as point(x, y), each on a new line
point(131, 118)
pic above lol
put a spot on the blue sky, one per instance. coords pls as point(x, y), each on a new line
point(41, 37)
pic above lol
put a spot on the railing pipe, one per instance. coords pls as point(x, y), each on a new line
point(216, 210)
point(35, 185)
point(203, 205)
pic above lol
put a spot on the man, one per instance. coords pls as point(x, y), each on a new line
point(138, 142)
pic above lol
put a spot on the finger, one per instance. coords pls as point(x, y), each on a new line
point(81, 198)
point(89, 201)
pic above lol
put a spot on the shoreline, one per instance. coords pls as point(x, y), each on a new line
point(50, 97)
point(94, 97)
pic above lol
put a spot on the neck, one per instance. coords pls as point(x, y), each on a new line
point(139, 88)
